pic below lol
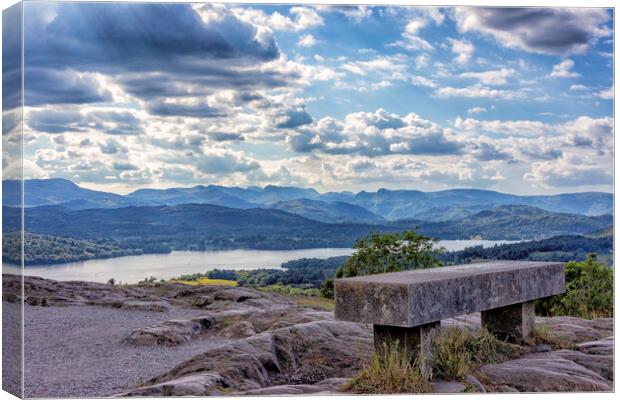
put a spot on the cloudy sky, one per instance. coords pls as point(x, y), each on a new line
point(122, 96)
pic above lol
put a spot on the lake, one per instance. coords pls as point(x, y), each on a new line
point(132, 269)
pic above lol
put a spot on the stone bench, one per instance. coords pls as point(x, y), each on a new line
point(408, 306)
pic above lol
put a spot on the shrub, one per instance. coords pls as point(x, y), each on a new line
point(327, 288)
point(389, 371)
point(589, 291)
point(226, 274)
point(380, 253)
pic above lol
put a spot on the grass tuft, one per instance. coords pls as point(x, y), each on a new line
point(389, 371)
point(541, 334)
point(458, 350)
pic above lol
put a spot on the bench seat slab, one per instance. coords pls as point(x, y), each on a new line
point(418, 297)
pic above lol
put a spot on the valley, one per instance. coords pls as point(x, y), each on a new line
point(65, 222)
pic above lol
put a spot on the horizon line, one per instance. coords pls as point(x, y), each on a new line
point(311, 188)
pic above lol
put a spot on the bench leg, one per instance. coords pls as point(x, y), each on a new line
point(514, 323)
point(416, 342)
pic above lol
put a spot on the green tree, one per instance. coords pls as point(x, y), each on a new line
point(380, 253)
point(589, 291)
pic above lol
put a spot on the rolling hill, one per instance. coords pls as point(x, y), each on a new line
point(329, 212)
point(39, 192)
point(513, 222)
point(457, 203)
point(211, 226)
point(188, 226)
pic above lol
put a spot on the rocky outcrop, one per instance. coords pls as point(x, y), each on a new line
point(576, 330)
point(226, 298)
point(170, 333)
point(149, 297)
point(328, 386)
point(267, 344)
point(302, 354)
point(157, 305)
point(586, 364)
point(233, 324)
point(45, 292)
point(556, 371)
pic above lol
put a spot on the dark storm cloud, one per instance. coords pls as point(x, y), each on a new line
point(57, 121)
point(158, 85)
point(434, 143)
point(538, 154)
point(11, 58)
point(110, 147)
point(140, 37)
point(223, 137)
point(124, 166)
point(109, 122)
point(152, 50)
point(192, 110)
point(224, 163)
point(542, 30)
point(487, 152)
point(293, 118)
point(47, 86)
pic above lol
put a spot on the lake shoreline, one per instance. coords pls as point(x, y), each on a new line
point(134, 268)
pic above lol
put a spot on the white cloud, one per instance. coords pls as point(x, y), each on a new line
point(434, 13)
point(463, 49)
point(422, 81)
point(411, 39)
point(387, 67)
point(569, 172)
point(496, 77)
point(375, 134)
point(577, 88)
point(594, 133)
point(421, 61)
point(353, 13)
point(564, 70)
point(307, 41)
point(478, 91)
point(476, 110)
point(414, 26)
point(607, 94)
point(517, 127)
point(412, 43)
point(304, 18)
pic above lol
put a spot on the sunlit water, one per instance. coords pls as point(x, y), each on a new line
point(132, 269)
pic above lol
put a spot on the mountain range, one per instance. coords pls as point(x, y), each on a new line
point(189, 226)
point(334, 207)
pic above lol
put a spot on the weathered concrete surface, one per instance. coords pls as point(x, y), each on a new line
point(514, 322)
point(417, 297)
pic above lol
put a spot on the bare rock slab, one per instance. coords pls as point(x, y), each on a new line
point(556, 371)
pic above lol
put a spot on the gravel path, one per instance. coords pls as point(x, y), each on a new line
point(11, 348)
point(77, 351)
